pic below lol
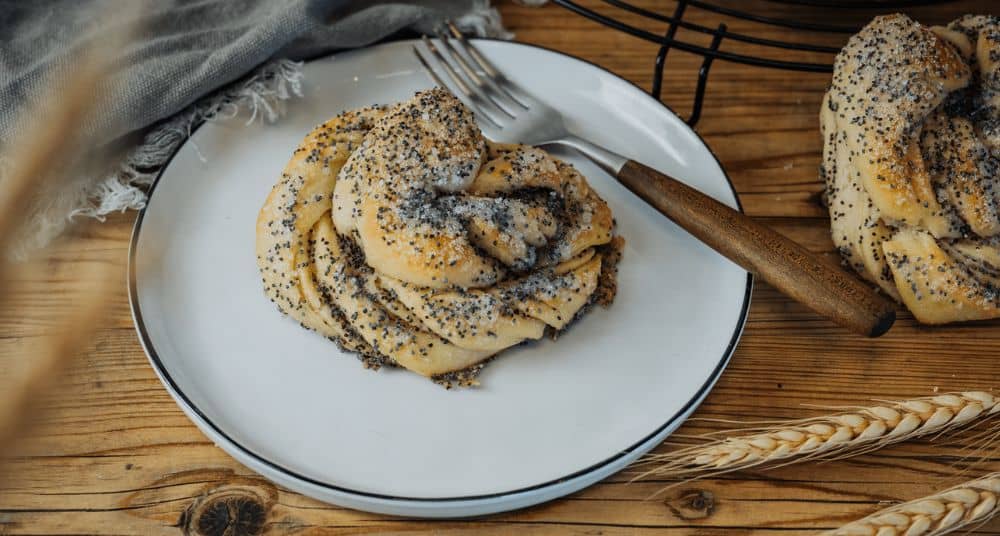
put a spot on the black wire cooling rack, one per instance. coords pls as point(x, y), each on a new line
point(675, 20)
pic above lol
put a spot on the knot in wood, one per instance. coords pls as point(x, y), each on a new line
point(228, 512)
point(692, 504)
point(221, 503)
point(233, 516)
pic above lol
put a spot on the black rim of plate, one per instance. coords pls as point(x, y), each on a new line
point(187, 404)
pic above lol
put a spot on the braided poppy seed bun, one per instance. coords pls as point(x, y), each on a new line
point(406, 237)
point(911, 146)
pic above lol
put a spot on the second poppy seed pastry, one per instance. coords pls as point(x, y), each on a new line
point(910, 132)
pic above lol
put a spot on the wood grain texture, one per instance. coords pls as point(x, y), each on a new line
point(798, 273)
point(114, 455)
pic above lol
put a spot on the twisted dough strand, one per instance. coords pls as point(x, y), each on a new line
point(911, 134)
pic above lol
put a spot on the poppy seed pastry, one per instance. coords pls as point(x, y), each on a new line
point(911, 141)
point(406, 237)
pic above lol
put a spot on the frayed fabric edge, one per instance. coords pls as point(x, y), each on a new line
point(483, 20)
point(262, 94)
point(125, 187)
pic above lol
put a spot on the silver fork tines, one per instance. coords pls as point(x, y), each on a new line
point(506, 112)
point(477, 81)
point(475, 97)
point(494, 78)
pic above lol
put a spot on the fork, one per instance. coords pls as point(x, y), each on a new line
point(509, 113)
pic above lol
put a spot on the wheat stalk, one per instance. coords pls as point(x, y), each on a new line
point(963, 505)
point(840, 435)
point(50, 144)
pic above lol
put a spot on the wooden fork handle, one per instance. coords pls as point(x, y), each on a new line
point(802, 275)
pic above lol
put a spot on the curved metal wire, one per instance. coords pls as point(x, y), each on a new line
point(669, 39)
point(695, 49)
point(727, 35)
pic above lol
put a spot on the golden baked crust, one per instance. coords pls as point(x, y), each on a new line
point(405, 236)
point(947, 282)
point(299, 199)
point(909, 128)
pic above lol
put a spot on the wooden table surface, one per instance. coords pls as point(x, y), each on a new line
point(115, 455)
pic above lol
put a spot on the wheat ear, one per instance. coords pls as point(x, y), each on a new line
point(50, 138)
point(840, 435)
point(970, 503)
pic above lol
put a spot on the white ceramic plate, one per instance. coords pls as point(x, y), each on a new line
point(550, 417)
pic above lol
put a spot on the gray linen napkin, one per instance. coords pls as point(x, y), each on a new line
point(191, 60)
